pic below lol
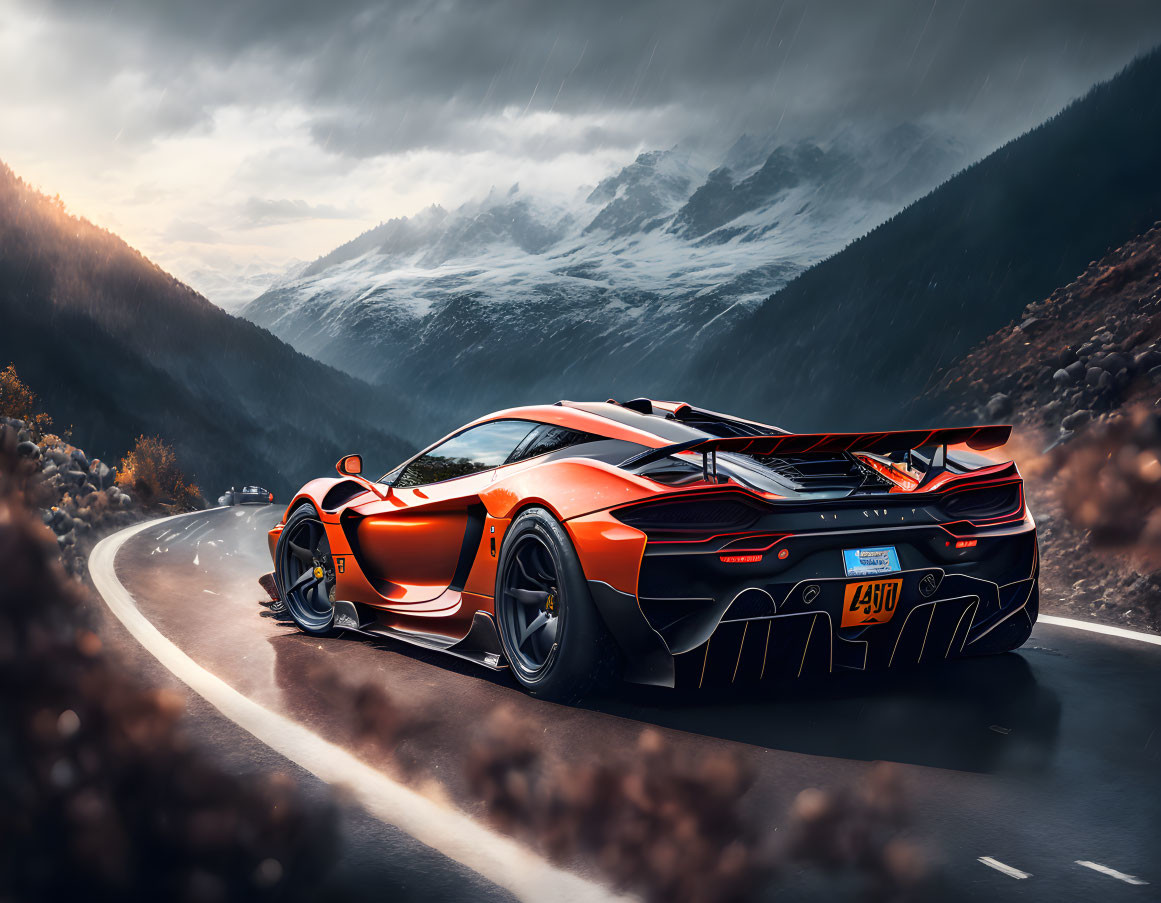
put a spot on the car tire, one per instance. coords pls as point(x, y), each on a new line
point(301, 552)
point(539, 576)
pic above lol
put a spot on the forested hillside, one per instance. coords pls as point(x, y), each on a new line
point(116, 347)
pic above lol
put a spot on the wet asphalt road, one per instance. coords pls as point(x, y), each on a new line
point(1036, 759)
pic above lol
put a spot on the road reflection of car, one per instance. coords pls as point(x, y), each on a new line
point(247, 495)
point(670, 545)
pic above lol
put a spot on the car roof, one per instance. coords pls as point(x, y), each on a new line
point(655, 423)
point(643, 421)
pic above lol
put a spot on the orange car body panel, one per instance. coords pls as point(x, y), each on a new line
point(568, 487)
point(609, 550)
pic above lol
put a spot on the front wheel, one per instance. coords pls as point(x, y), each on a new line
point(305, 572)
point(555, 642)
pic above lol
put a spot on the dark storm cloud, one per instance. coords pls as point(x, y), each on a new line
point(465, 75)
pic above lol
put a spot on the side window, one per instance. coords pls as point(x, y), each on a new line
point(472, 451)
point(548, 438)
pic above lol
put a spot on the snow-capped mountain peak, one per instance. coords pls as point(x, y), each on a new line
point(554, 300)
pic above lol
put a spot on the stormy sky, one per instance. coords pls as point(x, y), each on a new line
point(227, 138)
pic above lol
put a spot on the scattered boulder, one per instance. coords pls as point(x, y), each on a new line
point(28, 449)
point(1115, 361)
point(1035, 326)
point(100, 471)
point(1147, 360)
point(1076, 420)
point(999, 406)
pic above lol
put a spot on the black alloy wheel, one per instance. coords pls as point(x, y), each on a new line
point(306, 572)
point(554, 640)
point(533, 612)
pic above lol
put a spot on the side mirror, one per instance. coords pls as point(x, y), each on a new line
point(350, 465)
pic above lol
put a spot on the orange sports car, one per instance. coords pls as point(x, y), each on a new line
point(666, 544)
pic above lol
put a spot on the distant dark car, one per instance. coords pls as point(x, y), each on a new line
point(247, 495)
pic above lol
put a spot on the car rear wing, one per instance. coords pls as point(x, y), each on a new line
point(979, 438)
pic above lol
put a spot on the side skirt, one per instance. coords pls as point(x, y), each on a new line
point(481, 645)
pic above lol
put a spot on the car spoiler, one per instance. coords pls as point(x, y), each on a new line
point(980, 438)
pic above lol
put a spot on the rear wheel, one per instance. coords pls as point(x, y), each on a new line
point(555, 642)
point(306, 572)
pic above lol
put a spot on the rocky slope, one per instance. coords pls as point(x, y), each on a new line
point(77, 497)
point(1079, 373)
point(514, 299)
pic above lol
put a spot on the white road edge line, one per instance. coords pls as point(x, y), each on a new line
point(1112, 873)
point(1106, 629)
point(497, 858)
point(1008, 870)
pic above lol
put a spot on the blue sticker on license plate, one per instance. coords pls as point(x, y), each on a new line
point(869, 562)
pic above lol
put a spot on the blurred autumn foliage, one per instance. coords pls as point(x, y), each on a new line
point(150, 469)
point(104, 794)
point(19, 401)
point(672, 825)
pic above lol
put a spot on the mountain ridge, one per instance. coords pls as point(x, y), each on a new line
point(851, 341)
point(116, 347)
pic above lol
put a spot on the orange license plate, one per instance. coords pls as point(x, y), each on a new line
point(870, 602)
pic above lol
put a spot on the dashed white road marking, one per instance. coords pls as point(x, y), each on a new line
point(1112, 873)
point(1105, 629)
point(202, 530)
point(1010, 871)
point(497, 858)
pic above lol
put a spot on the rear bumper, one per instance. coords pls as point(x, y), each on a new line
point(698, 620)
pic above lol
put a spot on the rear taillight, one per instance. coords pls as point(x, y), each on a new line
point(984, 503)
point(693, 515)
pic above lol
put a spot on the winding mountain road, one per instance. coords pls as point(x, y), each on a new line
point(1035, 775)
